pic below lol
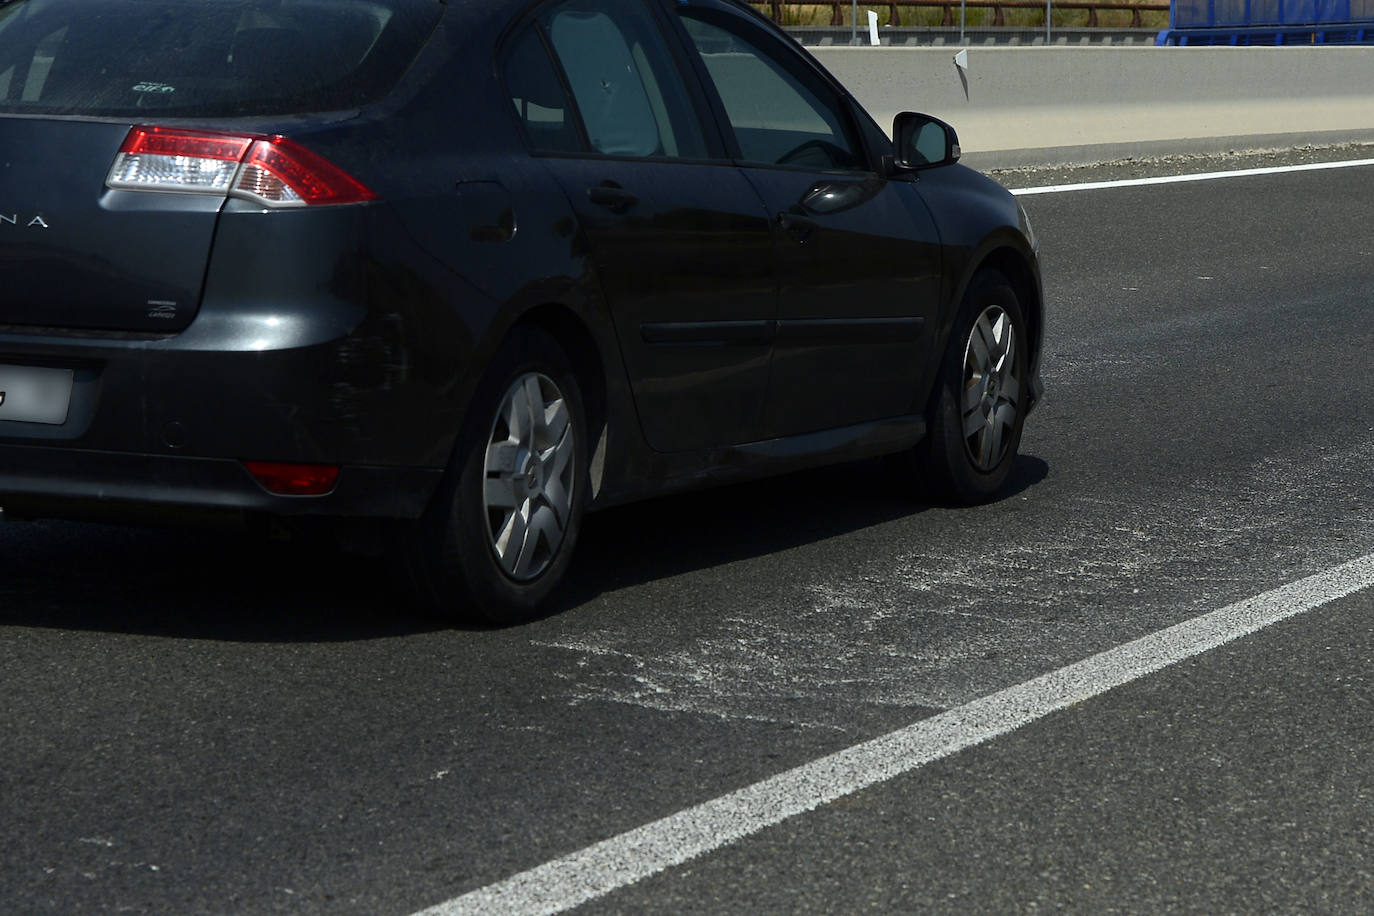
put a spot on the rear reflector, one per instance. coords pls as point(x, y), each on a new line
point(294, 479)
point(272, 171)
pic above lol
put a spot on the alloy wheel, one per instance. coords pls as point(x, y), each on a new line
point(530, 474)
point(992, 388)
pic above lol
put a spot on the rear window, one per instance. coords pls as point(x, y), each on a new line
point(209, 58)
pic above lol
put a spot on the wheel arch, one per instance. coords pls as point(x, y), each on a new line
point(1025, 281)
point(579, 343)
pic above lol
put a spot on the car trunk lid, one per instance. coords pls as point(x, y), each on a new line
point(75, 254)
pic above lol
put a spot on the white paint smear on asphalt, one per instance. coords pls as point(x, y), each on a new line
point(1200, 176)
point(630, 857)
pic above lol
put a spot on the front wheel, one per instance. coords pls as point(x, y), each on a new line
point(979, 404)
point(501, 530)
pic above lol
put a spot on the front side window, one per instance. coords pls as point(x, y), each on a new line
point(780, 111)
point(627, 89)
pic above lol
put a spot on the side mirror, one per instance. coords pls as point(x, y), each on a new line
point(922, 142)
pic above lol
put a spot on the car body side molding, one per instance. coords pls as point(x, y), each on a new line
point(809, 331)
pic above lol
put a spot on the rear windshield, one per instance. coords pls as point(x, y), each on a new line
point(204, 58)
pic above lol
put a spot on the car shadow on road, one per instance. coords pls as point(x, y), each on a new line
point(232, 586)
point(634, 544)
point(195, 583)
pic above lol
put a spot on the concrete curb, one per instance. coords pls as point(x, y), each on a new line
point(1113, 152)
point(1065, 105)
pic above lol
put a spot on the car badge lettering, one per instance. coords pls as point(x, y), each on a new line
point(161, 308)
point(12, 219)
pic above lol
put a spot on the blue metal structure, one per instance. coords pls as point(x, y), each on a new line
point(1269, 22)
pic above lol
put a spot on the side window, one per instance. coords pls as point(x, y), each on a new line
point(628, 91)
point(781, 113)
point(540, 101)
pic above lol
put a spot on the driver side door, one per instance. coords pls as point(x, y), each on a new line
point(857, 255)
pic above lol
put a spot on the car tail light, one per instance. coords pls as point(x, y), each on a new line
point(294, 479)
point(272, 171)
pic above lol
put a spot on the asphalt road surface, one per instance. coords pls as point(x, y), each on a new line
point(201, 722)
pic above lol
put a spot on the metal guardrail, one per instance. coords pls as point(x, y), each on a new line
point(1269, 22)
point(970, 36)
point(1246, 14)
point(1343, 33)
point(998, 7)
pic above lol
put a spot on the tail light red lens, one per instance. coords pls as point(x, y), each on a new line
point(279, 171)
point(294, 479)
point(272, 171)
point(159, 141)
point(155, 159)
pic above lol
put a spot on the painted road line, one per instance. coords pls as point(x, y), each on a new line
point(1200, 176)
point(630, 857)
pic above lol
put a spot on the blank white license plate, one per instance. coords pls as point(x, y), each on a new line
point(31, 394)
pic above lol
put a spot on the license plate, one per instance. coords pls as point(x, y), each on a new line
point(31, 394)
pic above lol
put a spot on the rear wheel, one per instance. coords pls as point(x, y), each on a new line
point(979, 404)
point(501, 530)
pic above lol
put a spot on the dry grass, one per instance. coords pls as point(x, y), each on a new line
point(925, 16)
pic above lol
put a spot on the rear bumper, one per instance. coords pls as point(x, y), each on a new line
point(39, 481)
point(168, 423)
point(311, 346)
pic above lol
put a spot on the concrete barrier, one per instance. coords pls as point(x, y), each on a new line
point(1050, 105)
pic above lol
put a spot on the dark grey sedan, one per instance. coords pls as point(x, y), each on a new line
point(451, 274)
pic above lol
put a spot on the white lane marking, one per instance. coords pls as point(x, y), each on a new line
point(566, 882)
point(1199, 176)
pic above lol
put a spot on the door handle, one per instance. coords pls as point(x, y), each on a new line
point(612, 197)
point(797, 223)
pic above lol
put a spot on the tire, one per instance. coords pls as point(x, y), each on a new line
point(500, 531)
point(978, 407)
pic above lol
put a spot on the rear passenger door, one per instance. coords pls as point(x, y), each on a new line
point(857, 255)
point(680, 239)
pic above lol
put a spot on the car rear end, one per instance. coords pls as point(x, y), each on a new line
point(200, 306)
